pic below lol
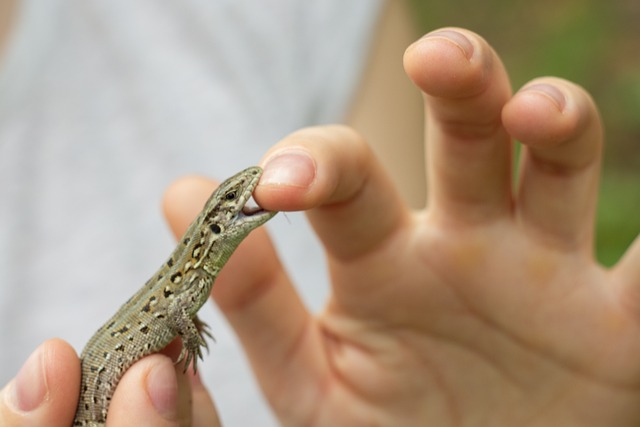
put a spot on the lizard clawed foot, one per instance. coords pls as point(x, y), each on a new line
point(193, 334)
point(191, 351)
point(205, 331)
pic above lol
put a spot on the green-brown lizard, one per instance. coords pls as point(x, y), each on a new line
point(166, 306)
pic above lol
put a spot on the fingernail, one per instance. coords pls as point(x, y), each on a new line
point(551, 92)
point(456, 38)
point(162, 388)
point(30, 385)
point(291, 167)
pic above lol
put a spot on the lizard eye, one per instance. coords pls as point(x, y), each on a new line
point(231, 195)
point(215, 228)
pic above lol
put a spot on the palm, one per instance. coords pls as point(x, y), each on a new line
point(489, 327)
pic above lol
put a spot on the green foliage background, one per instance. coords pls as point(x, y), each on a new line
point(591, 42)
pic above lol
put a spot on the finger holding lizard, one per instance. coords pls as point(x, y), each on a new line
point(39, 394)
point(155, 392)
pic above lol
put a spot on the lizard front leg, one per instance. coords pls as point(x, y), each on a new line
point(184, 322)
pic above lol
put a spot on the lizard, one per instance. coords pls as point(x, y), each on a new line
point(166, 306)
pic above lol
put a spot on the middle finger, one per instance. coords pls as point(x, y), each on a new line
point(468, 151)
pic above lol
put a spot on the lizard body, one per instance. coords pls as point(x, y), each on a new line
point(166, 306)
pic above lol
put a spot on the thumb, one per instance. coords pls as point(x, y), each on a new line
point(45, 390)
point(154, 392)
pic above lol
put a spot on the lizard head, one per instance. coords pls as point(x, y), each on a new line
point(226, 219)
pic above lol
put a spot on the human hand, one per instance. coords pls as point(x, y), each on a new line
point(485, 308)
point(151, 393)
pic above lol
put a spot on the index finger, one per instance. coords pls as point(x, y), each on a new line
point(332, 173)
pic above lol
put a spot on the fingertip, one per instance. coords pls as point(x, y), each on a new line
point(540, 114)
point(39, 394)
point(548, 91)
point(289, 174)
point(449, 63)
point(62, 367)
point(147, 394)
point(162, 388)
point(549, 112)
point(312, 167)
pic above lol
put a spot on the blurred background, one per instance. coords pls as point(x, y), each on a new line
point(591, 42)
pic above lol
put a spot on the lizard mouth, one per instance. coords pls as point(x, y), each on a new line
point(252, 210)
